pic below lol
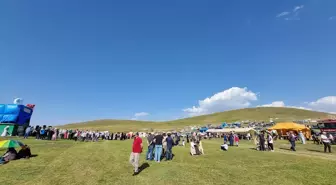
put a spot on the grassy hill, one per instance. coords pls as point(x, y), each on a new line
point(258, 114)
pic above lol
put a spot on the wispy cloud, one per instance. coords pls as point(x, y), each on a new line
point(139, 115)
point(291, 15)
point(282, 14)
point(332, 18)
point(297, 8)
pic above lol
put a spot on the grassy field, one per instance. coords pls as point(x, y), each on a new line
point(259, 114)
point(106, 162)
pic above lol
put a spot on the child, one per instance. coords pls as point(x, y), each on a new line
point(225, 147)
point(236, 139)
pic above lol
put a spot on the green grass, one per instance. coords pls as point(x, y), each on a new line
point(259, 114)
point(106, 162)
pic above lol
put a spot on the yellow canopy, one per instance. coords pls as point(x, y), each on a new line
point(288, 126)
point(282, 128)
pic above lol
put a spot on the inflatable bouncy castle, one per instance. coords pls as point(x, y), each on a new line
point(15, 118)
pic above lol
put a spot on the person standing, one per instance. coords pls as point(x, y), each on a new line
point(169, 152)
point(54, 136)
point(270, 142)
point(248, 136)
point(164, 145)
point(236, 139)
point(326, 142)
point(262, 141)
point(158, 147)
point(331, 137)
point(135, 155)
point(149, 154)
point(302, 138)
point(292, 139)
point(231, 138)
point(27, 132)
point(37, 130)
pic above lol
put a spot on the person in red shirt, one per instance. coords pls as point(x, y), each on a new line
point(136, 151)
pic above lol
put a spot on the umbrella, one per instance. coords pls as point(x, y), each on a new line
point(10, 144)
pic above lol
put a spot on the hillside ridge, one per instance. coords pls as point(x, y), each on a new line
point(251, 114)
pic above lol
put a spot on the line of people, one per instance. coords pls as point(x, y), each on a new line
point(49, 133)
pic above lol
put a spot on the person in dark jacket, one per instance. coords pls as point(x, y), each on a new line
point(262, 141)
point(231, 138)
point(169, 151)
point(292, 139)
point(24, 153)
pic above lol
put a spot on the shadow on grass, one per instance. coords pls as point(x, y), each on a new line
point(314, 150)
point(164, 156)
point(143, 167)
point(288, 149)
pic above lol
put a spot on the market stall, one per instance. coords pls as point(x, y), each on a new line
point(283, 128)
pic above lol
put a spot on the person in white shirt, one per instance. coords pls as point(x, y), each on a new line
point(270, 141)
point(326, 142)
point(225, 147)
point(248, 136)
point(302, 138)
point(331, 137)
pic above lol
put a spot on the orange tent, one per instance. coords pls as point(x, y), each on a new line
point(283, 128)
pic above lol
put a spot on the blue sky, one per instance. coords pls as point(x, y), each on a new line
point(159, 60)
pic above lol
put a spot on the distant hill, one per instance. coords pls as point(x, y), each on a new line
point(252, 114)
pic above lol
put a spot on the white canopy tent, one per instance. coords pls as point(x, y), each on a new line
point(228, 130)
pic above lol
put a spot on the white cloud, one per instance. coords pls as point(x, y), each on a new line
point(282, 14)
point(297, 8)
point(282, 104)
point(233, 98)
point(274, 104)
point(296, 107)
point(291, 15)
point(139, 115)
point(325, 104)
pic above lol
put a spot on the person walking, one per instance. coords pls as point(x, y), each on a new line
point(150, 142)
point(326, 142)
point(27, 132)
point(158, 147)
point(169, 152)
point(135, 155)
point(292, 139)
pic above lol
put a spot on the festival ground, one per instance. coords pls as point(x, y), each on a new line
point(106, 162)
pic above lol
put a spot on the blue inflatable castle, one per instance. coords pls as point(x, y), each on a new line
point(15, 118)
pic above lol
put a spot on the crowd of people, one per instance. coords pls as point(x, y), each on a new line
point(50, 133)
point(160, 146)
